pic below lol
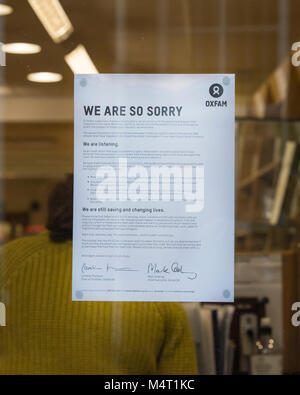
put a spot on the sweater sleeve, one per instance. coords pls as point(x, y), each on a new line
point(178, 352)
point(15, 253)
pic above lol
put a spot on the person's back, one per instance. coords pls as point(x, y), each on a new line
point(47, 333)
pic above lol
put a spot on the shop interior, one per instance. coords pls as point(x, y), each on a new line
point(252, 39)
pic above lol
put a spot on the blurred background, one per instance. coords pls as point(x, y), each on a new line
point(46, 41)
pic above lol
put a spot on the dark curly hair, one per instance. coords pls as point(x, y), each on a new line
point(60, 211)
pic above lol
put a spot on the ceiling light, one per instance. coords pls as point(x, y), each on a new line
point(53, 17)
point(5, 9)
point(21, 48)
point(44, 77)
point(80, 62)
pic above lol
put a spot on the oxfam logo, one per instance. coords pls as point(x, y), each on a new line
point(216, 90)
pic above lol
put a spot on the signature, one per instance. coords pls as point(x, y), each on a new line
point(153, 268)
point(120, 269)
point(89, 268)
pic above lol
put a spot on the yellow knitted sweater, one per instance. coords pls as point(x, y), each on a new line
point(47, 333)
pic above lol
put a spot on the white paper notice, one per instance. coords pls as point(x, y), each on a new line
point(154, 187)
